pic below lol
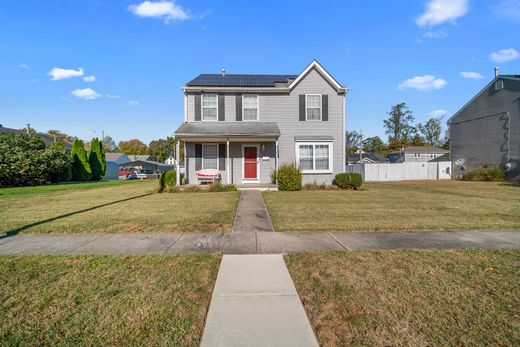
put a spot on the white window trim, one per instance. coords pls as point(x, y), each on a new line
point(202, 108)
point(203, 154)
point(251, 180)
point(321, 108)
point(257, 108)
point(331, 156)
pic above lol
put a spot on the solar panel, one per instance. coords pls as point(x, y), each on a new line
point(236, 80)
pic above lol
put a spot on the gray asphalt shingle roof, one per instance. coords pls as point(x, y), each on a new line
point(421, 149)
point(237, 80)
point(228, 129)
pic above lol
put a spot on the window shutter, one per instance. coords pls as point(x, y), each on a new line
point(239, 108)
point(198, 156)
point(197, 107)
point(324, 107)
point(221, 108)
point(222, 156)
point(302, 108)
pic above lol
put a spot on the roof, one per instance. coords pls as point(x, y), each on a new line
point(228, 129)
point(421, 149)
point(136, 157)
point(236, 80)
point(113, 156)
point(444, 157)
point(47, 139)
point(354, 157)
point(314, 138)
point(146, 162)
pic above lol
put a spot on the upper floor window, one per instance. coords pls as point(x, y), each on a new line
point(499, 85)
point(209, 107)
point(313, 106)
point(250, 107)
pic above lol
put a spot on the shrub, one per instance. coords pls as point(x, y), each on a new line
point(485, 174)
point(57, 165)
point(273, 177)
point(219, 187)
point(80, 166)
point(316, 186)
point(289, 177)
point(168, 181)
point(96, 159)
point(193, 189)
point(348, 180)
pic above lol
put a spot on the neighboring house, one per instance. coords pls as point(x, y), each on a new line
point(113, 161)
point(416, 154)
point(47, 139)
point(486, 131)
point(170, 160)
point(245, 126)
point(139, 157)
point(366, 158)
point(145, 166)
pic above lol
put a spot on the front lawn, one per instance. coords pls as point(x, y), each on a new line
point(115, 301)
point(411, 298)
point(399, 206)
point(117, 208)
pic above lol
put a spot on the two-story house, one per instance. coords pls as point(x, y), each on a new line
point(245, 126)
point(416, 154)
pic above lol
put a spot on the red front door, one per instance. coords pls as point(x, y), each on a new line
point(250, 162)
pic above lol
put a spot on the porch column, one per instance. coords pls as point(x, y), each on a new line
point(228, 161)
point(276, 163)
point(178, 163)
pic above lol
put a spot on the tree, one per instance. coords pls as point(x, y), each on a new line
point(418, 140)
point(61, 136)
point(96, 159)
point(108, 144)
point(399, 126)
point(161, 149)
point(431, 131)
point(80, 166)
point(133, 146)
point(352, 141)
point(57, 164)
point(446, 140)
point(374, 144)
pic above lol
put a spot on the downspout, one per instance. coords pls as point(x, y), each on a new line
point(508, 156)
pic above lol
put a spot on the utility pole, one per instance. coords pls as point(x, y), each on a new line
point(28, 127)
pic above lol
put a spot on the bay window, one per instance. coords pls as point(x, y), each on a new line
point(314, 157)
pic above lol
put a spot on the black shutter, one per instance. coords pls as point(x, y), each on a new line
point(198, 156)
point(197, 107)
point(221, 108)
point(239, 107)
point(302, 108)
point(222, 156)
point(324, 107)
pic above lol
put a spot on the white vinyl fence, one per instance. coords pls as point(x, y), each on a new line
point(402, 171)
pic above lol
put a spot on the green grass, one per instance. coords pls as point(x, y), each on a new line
point(94, 300)
point(411, 298)
point(120, 208)
point(399, 206)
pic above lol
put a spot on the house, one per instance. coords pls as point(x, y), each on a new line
point(245, 126)
point(113, 161)
point(416, 154)
point(47, 139)
point(145, 166)
point(139, 157)
point(170, 161)
point(366, 158)
point(486, 131)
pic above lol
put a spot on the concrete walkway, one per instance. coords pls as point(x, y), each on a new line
point(255, 303)
point(249, 242)
point(251, 214)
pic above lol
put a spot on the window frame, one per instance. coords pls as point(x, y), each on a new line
point(257, 108)
point(204, 156)
point(203, 107)
point(499, 85)
point(307, 108)
point(314, 144)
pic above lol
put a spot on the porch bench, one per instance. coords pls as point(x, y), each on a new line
point(208, 176)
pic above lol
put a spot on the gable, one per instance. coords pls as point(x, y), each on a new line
point(313, 82)
point(313, 70)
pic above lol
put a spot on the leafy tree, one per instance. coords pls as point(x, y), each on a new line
point(431, 131)
point(133, 146)
point(374, 144)
point(80, 166)
point(446, 141)
point(352, 141)
point(417, 140)
point(399, 126)
point(161, 149)
point(96, 159)
point(61, 136)
point(57, 164)
point(108, 144)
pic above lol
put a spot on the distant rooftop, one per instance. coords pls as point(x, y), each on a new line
point(421, 149)
point(237, 80)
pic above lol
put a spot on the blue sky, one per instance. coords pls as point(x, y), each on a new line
point(141, 53)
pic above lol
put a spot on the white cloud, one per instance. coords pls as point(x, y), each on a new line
point(423, 83)
point(87, 94)
point(441, 11)
point(112, 96)
point(508, 9)
point(59, 74)
point(133, 103)
point(438, 35)
point(91, 78)
point(504, 55)
point(23, 66)
point(439, 113)
point(168, 11)
point(471, 75)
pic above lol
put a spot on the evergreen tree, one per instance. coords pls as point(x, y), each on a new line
point(80, 166)
point(96, 159)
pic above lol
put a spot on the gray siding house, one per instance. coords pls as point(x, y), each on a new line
point(486, 131)
point(245, 126)
point(416, 154)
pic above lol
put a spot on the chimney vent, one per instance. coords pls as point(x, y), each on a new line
point(497, 72)
point(223, 72)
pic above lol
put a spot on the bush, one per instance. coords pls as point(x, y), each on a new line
point(219, 187)
point(57, 165)
point(316, 186)
point(80, 166)
point(485, 174)
point(348, 180)
point(168, 181)
point(289, 177)
point(96, 160)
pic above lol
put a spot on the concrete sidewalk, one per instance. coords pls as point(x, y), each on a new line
point(251, 214)
point(249, 242)
point(255, 303)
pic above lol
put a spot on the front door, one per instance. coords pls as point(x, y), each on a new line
point(250, 162)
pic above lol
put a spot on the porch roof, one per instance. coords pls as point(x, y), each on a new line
point(228, 129)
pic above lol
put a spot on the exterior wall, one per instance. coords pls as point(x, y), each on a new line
point(411, 158)
point(483, 133)
point(284, 110)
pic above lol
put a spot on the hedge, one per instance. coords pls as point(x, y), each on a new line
point(348, 180)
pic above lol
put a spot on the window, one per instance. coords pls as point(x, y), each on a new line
point(499, 85)
point(313, 106)
point(250, 107)
point(209, 107)
point(314, 157)
point(210, 156)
